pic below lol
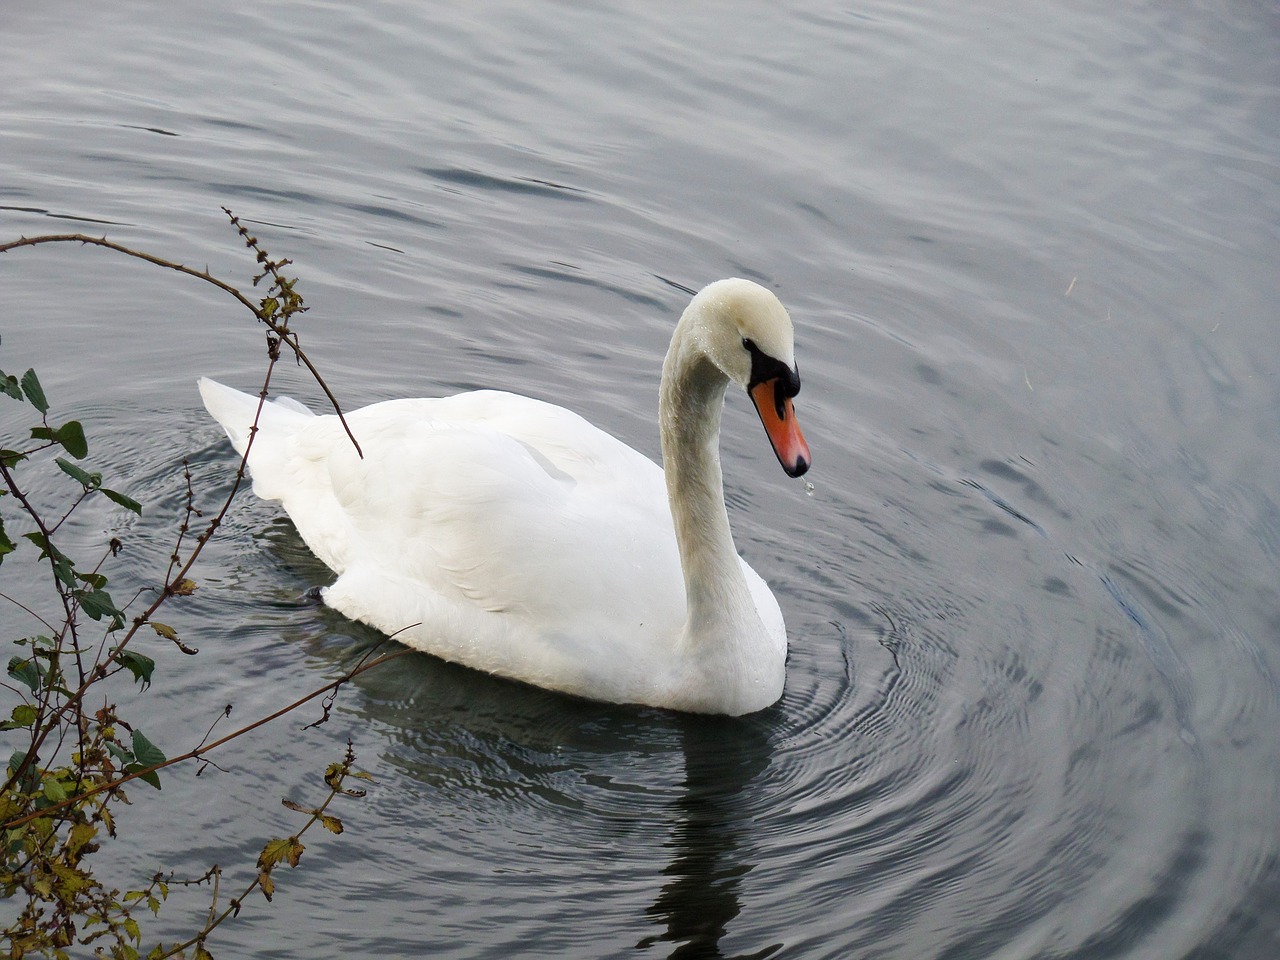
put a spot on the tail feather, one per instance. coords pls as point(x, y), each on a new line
point(280, 419)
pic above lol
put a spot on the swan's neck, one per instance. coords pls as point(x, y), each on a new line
point(723, 631)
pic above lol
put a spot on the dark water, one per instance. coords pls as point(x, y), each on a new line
point(1031, 253)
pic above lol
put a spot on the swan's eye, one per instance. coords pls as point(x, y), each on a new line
point(747, 344)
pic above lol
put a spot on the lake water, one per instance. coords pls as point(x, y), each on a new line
point(1031, 254)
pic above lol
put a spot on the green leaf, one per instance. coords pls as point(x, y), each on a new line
point(149, 776)
point(120, 753)
point(26, 671)
point(9, 384)
point(90, 481)
point(98, 604)
point(11, 458)
point(95, 580)
point(148, 753)
point(140, 665)
point(71, 436)
point(127, 502)
point(35, 393)
point(62, 568)
point(24, 714)
point(7, 546)
point(55, 791)
point(30, 780)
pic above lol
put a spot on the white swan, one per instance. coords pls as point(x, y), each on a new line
point(512, 536)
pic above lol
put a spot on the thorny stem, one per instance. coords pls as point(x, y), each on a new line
point(41, 727)
point(190, 511)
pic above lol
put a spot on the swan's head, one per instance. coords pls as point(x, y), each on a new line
point(746, 332)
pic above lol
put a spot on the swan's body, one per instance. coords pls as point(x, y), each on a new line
point(512, 536)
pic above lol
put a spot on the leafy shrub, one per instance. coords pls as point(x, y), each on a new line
point(72, 761)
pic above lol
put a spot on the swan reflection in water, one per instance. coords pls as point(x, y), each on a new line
point(711, 843)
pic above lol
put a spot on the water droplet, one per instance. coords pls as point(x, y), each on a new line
point(808, 488)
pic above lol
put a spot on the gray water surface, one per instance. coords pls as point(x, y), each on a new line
point(1030, 252)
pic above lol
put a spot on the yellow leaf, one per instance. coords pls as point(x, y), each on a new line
point(164, 630)
point(273, 853)
point(8, 806)
point(288, 849)
point(267, 884)
point(331, 823)
point(184, 587)
point(70, 880)
point(80, 834)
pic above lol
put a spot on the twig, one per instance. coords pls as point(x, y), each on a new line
point(284, 333)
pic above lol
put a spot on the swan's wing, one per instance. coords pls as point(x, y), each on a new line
point(560, 439)
point(495, 502)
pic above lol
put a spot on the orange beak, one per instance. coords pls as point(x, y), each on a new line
point(779, 419)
